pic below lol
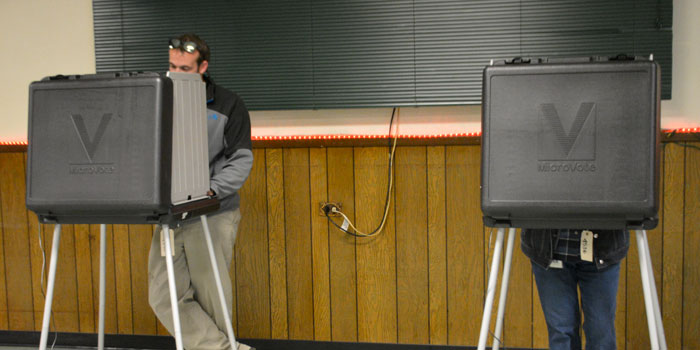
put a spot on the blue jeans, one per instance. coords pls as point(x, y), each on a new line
point(559, 298)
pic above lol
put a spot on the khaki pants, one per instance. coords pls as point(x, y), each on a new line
point(201, 317)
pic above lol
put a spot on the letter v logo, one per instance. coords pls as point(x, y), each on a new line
point(576, 144)
point(90, 144)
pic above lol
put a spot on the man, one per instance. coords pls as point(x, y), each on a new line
point(566, 259)
point(230, 161)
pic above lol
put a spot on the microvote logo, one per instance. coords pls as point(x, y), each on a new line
point(90, 145)
point(567, 142)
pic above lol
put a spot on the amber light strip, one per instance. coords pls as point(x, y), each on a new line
point(683, 130)
point(366, 137)
point(358, 137)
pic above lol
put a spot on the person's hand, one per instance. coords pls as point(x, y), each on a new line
point(211, 193)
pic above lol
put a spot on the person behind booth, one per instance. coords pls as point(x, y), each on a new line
point(230, 161)
point(566, 259)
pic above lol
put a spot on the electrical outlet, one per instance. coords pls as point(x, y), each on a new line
point(326, 208)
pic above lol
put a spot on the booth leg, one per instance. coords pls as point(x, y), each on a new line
point(650, 292)
point(103, 254)
point(491, 291)
point(171, 285)
point(504, 290)
point(647, 286)
point(49, 287)
point(219, 285)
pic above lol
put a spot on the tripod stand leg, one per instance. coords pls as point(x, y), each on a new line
point(504, 290)
point(491, 291)
point(171, 285)
point(49, 287)
point(103, 251)
point(219, 285)
point(654, 296)
point(646, 284)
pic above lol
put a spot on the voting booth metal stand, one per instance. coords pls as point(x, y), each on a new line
point(171, 285)
point(657, 336)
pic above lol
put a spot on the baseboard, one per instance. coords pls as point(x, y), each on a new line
point(128, 341)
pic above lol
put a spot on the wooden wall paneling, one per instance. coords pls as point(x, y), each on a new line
point(3, 288)
point(412, 278)
point(465, 253)
point(277, 244)
point(20, 304)
point(341, 247)
point(144, 320)
point(122, 274)
point(253, 271)
point(234, 283)
point(517, 325)
point(437, 245)
point(671, 296)
point(110, 277)
point(691, 247)
point(318, 188)
point(83, 259)
point(297, 204)
point(36, 253)
point(673, 254)
point(376, 256)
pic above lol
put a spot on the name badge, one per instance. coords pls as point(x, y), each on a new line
point(586, 245)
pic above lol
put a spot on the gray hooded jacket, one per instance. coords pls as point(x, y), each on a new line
point(230, 148)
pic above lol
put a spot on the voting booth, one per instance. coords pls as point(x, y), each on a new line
point(571, 143)
point(119, 148)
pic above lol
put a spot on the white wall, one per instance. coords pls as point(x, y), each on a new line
point(683, 110)
point(40, 38)
point(48, 37)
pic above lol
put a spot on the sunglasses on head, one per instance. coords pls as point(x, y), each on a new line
point(187, 46)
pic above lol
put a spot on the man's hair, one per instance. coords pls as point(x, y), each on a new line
point(202, 46)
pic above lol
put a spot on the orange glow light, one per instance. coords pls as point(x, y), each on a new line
point(694, 130)
point(356, 137)
point(13, 143)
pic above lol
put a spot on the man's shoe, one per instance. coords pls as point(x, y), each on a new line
point(244, 347)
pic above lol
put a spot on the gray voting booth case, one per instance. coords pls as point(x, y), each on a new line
point(116, 148)
point(570, 143)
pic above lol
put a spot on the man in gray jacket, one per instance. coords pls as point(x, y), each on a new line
point(230, 161)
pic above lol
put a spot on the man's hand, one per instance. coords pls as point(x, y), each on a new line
point(211, 193)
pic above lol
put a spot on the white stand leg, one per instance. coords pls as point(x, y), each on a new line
point(657, 335)
point(491, 291)
point(504, 290)
point(49, 287)
point(171, 285)
point(103, 251)
point(219, 285)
